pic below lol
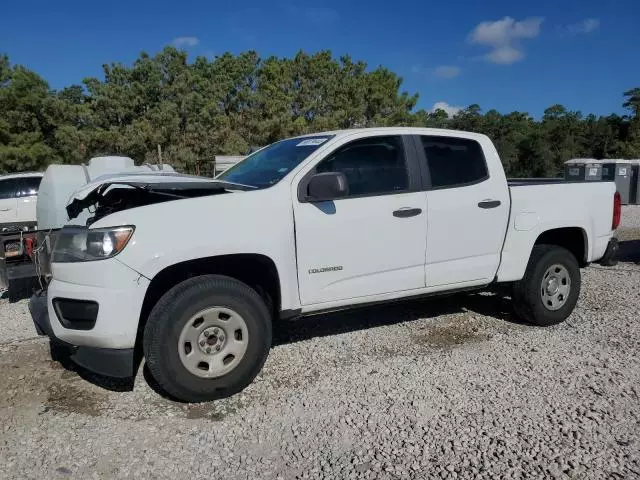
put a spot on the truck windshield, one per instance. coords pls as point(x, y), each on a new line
point(268, 166)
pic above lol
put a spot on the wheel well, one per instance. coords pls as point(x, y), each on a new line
point(257, 271)
point(571, 238)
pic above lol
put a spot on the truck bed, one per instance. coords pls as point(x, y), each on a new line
point(523, 182)
point(520, 182)
point(549, 204)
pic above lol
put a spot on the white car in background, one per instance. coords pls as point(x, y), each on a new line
point(18, 196)
point(32, 210)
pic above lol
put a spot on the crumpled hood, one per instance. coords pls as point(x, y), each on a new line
point(110, 193)
point(137, 178)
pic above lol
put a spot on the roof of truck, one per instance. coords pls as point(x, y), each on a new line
point(398, 131)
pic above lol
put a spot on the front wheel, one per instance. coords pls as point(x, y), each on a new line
point(549, 290)
point(207, 338)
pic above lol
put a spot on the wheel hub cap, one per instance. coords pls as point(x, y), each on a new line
point(210, 341)
point(552, 286)
point(555, 288)
point(213, 342)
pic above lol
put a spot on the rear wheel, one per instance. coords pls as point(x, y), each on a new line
point(207, 338)
point(549, 290)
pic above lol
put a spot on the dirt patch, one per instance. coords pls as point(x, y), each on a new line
point(25, 374)
point(62, 397)
point(450, 335)
point(218, 410)
point(385, 351)
point(215, 411)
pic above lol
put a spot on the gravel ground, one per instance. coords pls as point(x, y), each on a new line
point(630, 217)
point(450, 388)
point(15, 322)
point(630, 223)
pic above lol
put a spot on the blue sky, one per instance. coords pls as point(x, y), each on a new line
point(506, 55)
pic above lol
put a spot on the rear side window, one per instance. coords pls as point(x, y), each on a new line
point(7, 188)
point(28, 186)
point(454, 162)
point(373, 166)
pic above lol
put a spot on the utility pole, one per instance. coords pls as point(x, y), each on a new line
point(159, 154)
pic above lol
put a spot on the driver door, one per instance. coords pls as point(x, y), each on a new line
point(372, 241)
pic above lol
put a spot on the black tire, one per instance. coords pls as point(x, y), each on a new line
point(527, 297)
point(175, 308)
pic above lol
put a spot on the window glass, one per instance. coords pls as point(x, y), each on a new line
point(28, 186)
point(454, 161)
point(7, 188)
point(268, 166)
point(373, 165)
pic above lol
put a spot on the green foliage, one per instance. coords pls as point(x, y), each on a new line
point(196, 110)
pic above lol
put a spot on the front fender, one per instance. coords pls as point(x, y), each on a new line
point(256, 222)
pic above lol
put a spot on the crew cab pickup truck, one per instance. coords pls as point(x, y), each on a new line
point(191, 274)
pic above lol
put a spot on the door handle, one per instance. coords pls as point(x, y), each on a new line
point(4, 209)
point(489, 203)
point(407, 212)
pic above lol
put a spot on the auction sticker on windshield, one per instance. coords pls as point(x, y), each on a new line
point(311, 142)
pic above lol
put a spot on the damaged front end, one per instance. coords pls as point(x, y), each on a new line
point(110, 195)
point(114, 196)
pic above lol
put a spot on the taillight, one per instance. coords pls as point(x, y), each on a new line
point(617, 210)
point(28, 246)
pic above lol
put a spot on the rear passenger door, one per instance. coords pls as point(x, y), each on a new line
point(8, 200)
point(467, 212)
point(371, 242)
point(27, 195)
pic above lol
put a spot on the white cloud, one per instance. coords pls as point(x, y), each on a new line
point(504, 55)
point(587, 25)
point(446, 71)
point(504, 36)
point(505, 31)
point(185, 42)
point(450, 110)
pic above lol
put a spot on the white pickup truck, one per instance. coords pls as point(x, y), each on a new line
point(192, 273)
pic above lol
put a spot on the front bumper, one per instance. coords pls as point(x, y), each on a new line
point(118, 292)
point(111, 362)
point(105, 344)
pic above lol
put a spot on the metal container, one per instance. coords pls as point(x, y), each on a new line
point(574, 169)
point(627, 177)
point(624, 174)
point(621, 172)
point(608, 170)
point(593, 171)
point(634, 191)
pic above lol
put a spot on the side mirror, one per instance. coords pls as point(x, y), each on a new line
point(327, 186)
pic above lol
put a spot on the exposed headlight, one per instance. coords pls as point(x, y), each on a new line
point(77, 244)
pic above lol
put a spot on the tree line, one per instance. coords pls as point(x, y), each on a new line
point(188, 112)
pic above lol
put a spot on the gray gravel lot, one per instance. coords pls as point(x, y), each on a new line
point(450, 388)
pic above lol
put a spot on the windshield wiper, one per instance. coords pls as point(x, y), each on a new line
point(241, 186)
